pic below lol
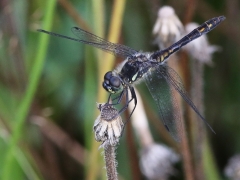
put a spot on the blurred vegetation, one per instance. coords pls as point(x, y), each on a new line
point(49, 86)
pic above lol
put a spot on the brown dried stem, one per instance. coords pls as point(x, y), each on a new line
point(110, 161)
point(185, 149)
point(132, 151)
point(72, 12)
point(61, 139)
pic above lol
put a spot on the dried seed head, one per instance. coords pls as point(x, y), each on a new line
point(168, 28)
point(232, 170)
point(108, 126)
point(156, 161)
point(200, 48)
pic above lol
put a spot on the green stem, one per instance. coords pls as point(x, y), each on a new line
point(34, 77)
point(210, 168)
point(97, 16)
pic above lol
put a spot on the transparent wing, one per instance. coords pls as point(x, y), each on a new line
point(173, 79)
point(163, 95)
point(93, 40)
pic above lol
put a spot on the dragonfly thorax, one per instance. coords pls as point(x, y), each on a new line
point(134, 69)
point(112, 83)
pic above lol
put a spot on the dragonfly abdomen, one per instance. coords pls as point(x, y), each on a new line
point(162, 55)
point(196, 33)
point(203, 29)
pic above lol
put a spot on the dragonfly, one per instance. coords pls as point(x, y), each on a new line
point(150, 67)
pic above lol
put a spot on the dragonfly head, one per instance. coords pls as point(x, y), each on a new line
point(112, 83)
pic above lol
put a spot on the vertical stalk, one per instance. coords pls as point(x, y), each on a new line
point(97, 17)
point(105, 64)
point(185, 148)
point(197, 129)
point(210, 168)
point(110, 162)
point(184, 68)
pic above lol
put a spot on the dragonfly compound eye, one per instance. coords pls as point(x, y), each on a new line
point(115, 82)
point(108, 75)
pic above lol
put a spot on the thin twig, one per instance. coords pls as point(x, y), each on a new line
point(72, 12)
point(60, 138)
point(190, 10)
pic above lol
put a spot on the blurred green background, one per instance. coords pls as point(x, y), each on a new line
point(49, 86)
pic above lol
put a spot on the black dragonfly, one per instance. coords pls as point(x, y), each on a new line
point(148, 66)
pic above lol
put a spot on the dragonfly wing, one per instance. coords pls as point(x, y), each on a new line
point(173, 79)
point(162, 94)
point(93, 40)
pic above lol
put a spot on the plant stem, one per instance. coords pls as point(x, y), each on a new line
point(97, 18)
point(110, 162)
point(210, 169)
point(114, 32)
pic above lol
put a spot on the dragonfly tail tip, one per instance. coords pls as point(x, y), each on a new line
point(222, 18)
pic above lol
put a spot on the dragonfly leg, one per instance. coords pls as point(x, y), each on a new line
point(109, 98)
point(133, 97)
point(128, 101)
